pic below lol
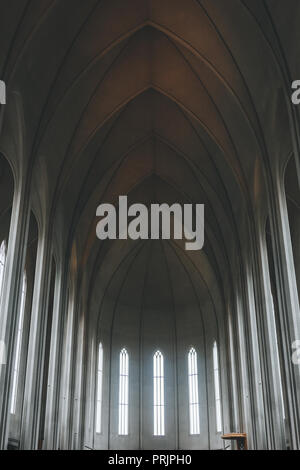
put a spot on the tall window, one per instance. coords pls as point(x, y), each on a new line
point(2, 265)
point(99, 390)
point(158, 394)
point(193, 393)
point(217, 387)
point(123, 393)
point(19, 345)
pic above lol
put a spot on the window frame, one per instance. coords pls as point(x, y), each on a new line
point(217, 388)
point(123, 405)
point(193, 393)
point(99, 390)
point(159, 405)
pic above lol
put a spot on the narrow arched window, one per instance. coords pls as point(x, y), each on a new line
point(2, 266)
point(159, 394)
point(16, 368)
point(99, 390)
point(217, 388)
point(193, 393)
point(123, 393)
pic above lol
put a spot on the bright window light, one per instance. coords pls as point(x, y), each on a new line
point(217, 388)
point(99, 390)
point(123, 393)
point(159, 394)
point(193, 393)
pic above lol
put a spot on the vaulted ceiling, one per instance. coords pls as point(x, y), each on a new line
point(162, 100)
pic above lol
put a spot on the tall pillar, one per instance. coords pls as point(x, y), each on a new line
point(289, 312)
point(254, 396)
point(272, 372)
point(77, 397)
point(66, 376)
point(55, 364)
point(15, 261)
point(36, 348)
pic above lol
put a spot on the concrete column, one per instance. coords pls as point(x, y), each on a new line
point(66, 376)
point(251, 373)
point(36, 348)
point(55, 364)
point(270, 353)
point(233, 367)
point(77, 413)
point(289, 311)
point(15, 260)
point(74, 369)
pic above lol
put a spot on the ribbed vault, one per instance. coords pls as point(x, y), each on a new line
point(163, 103)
